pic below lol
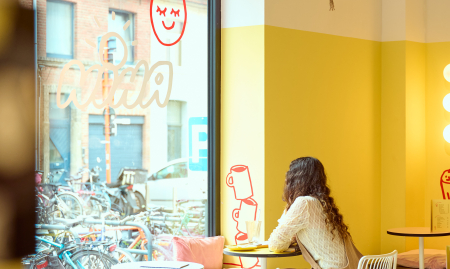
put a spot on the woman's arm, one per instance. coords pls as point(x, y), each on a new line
point(295, 219)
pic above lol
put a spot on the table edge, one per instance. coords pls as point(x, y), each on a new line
point(418, 235)
point(249, 255)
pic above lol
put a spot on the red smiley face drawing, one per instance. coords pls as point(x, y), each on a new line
point(163, 21)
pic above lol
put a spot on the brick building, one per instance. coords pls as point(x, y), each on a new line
point(72, 138)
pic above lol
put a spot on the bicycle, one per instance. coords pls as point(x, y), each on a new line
point(71, 256)
point(68, 203)
point(94, 202)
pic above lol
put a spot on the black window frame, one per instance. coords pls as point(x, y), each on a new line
point(214, 97)
point(72, 19)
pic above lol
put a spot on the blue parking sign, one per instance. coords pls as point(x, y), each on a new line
point(198, 144)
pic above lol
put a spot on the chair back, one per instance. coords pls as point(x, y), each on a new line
point(383, 261)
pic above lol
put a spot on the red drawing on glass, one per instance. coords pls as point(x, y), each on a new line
point(164, 24)
point(445, 184)
point(240, 181)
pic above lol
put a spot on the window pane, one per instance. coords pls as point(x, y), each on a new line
point(59, 28)
point(129, 129)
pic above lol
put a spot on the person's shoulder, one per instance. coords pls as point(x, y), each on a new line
point(304, 200)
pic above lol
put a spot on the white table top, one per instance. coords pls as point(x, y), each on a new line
point(157, 264)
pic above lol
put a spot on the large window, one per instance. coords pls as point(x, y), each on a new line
point(124, 126)
point(59, 29)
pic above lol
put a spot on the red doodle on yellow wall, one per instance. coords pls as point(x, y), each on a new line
point(445, 184)
point(240, 181)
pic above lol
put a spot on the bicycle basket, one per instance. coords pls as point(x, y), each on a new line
point(131, 176)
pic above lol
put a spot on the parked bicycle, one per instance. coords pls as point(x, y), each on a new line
point(51, 195)
point(71, 254)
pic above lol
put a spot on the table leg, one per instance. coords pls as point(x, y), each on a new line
point(263, 263)
point(421, 253)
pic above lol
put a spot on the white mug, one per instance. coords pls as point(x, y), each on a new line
point(239, 179)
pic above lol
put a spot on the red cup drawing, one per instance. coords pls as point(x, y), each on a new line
point(239, 179)
point(246, 211)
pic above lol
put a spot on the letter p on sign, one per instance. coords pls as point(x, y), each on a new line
point(198, 144)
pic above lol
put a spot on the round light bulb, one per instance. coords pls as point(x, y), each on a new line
point(447, 72)
point(446, 102)
point(447, 133)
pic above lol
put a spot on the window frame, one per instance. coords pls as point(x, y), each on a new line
point(72, 19)
point(214, 97)
point(133, 16)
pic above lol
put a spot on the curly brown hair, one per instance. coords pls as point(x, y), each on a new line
point(306, 177)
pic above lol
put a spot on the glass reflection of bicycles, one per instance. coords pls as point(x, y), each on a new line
point(52, 198)
point(70, 255)
point(94, 201)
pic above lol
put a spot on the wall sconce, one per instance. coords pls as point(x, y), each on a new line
point(446, 103)
point(447, 73)
point(447, 133)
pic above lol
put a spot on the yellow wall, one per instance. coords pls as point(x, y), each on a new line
point(322, 99)
point(392, 143)
point(438, 150)
point(403, 165)
point(415, 141)
point(242, 136)
point(362, 94)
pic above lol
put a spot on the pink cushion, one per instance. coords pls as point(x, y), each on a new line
point(206, 251)
point(434, 259)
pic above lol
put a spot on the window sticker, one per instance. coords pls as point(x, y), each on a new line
point(198, 144)
point(240, 181)
point(118, 77)
point(164, 19)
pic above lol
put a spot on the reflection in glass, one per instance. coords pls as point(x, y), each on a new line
point(59, 32)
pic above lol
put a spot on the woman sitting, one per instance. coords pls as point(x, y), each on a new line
point(312, 217)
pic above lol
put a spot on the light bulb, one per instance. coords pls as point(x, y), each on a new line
point(447, 133)
point(446, 102)
point(447, 72)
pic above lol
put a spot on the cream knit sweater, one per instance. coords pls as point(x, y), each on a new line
point(307, 219)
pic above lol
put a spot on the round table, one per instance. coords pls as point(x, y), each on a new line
point(157, 265)
point(262, 253)
point(420, 232)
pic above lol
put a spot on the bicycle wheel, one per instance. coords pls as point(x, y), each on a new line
point(140, 202)
point(161, 254)
point(123, 256)
point(91, 259)
point(107, 202)
point(72, 206)
point(93, 208)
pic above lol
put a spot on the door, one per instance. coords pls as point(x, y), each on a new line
point(59, 139)
point(126, 147)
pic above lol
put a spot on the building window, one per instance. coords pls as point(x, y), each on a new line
point(59, 35)
point(175, 130)
point(117, 25)
point(174, 52)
